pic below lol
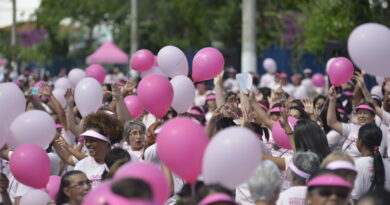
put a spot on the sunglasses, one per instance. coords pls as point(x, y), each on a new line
point(323, 192)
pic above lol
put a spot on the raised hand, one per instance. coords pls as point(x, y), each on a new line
point(115, 91)
point(129, 87)
point(332, 93)
point(218, 79)
point(308, 106)
point(69, 96)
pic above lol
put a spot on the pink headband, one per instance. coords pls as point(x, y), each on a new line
point(283, 75)
point(329, 180)
point(59, 126)
point(364, 107)
point(217, 197)
point(200, 85)
point(210, 97)
point(347, 93)
point(264, 107)
point(275, 109)
point(341, 110)
point(297, 171)
point(94, 134)
point(195, 112)
point(341, 164)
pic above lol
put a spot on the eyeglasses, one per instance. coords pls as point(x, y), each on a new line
point(328, 192)
point(137, 133)
point(81, 184)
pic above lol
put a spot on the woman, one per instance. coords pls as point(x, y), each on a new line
point(365, 114)
point(373, 171)
point(319, 102)
point(341, 164)
point(134, 135)
point(265, 183)
point(303, 165)
point(211, 106)
point(74, 186)
point(102, 130)
point(327, 188)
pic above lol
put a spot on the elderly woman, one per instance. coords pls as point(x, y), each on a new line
point(74, 186)
point(264, 184)
point(134, 137)
point(303, 165)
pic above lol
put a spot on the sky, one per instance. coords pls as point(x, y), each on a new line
point(25, 8)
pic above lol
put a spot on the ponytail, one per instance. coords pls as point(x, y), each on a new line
point(378, 180)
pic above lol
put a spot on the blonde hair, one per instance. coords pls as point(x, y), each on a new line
point(334, 156)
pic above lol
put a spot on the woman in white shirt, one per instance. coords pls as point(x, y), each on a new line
point(373, 171)
point(134, 137)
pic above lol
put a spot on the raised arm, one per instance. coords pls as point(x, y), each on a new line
point(261, 115)
point(218, 89)
point(331, 115)
point(121, 109)
point(55, 105)
point(359, 77)
point(64, 154)
point(286, 126)
point(70, 118)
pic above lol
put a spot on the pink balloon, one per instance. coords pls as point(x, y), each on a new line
point(151, 174)
point(207, 64)
point(99, 195)
point(53, 186)
point(34, 126)
point(96, 71)
point(318, 80)
point(142, 60)
point(134, 106)
point(280, 136)
point(181, 144)
point(30, 165)
point(340, 71)
point(39, 84)
point(156, 94)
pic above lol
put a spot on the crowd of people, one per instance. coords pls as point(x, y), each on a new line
point(339, 144)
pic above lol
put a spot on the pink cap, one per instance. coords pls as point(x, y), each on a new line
point(264, 107)
point(217, 197)
point(365, 107)
point(341, 164)
point(341, 110)
point(329, 180)
point(283, 75)
point(194, 112)
point(210, 97)
point(94, 134)
point(275, 109)
point(348, 93)
point(59, 126)
point(294, 79)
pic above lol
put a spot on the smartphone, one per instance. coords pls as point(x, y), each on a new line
point(34, 91)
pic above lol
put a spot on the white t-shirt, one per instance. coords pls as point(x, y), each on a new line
point(335, 140)
point(351, 131)
point(151, 154)
point(266, 80)
point(17, 189)
point(136, 153)
point(295, 195)
point(200, 99)
point(92, 169)
point(365, 169)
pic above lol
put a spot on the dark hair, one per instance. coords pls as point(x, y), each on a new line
point(302, 113)
point(370, 136)
point(258, 129)
point(224, 122)
point(323, 117)
point(298, 102)
point(61, 197)
point(132, 188)
point(319, 97)
point(378, 197)
point(265, 91)
point(309, 136)
point(113, 156)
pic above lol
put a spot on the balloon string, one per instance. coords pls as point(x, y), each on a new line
point(193, 189)
point(323, 106)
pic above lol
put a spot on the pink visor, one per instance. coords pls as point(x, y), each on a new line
point(94, 134)
point(59, 126)
point(264, 107)
point(283, 75)
point(200, 85)
point(341, 164)
point(217, 197)
point(275, 109)
point(347, 93)
point(210, 97)
point(340, 110)
point(364, 107)
point(329, 180)
point(194, 112)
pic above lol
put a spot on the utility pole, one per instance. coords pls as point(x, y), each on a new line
point(248, 47)
point(13, 31)
point(134, 27)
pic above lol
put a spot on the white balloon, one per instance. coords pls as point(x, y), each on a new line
point(269, 65)
point(59, 94)
point(88, 96)
point(63, 83)
point(75, 75)
point(12, 104)
point(379, 80)
point(35, 197)
point(153, 70)
point(377, 90)
point(172, 61)
point(369, 48)
point(183, 93)
point(34, 126)
point(231, 157)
